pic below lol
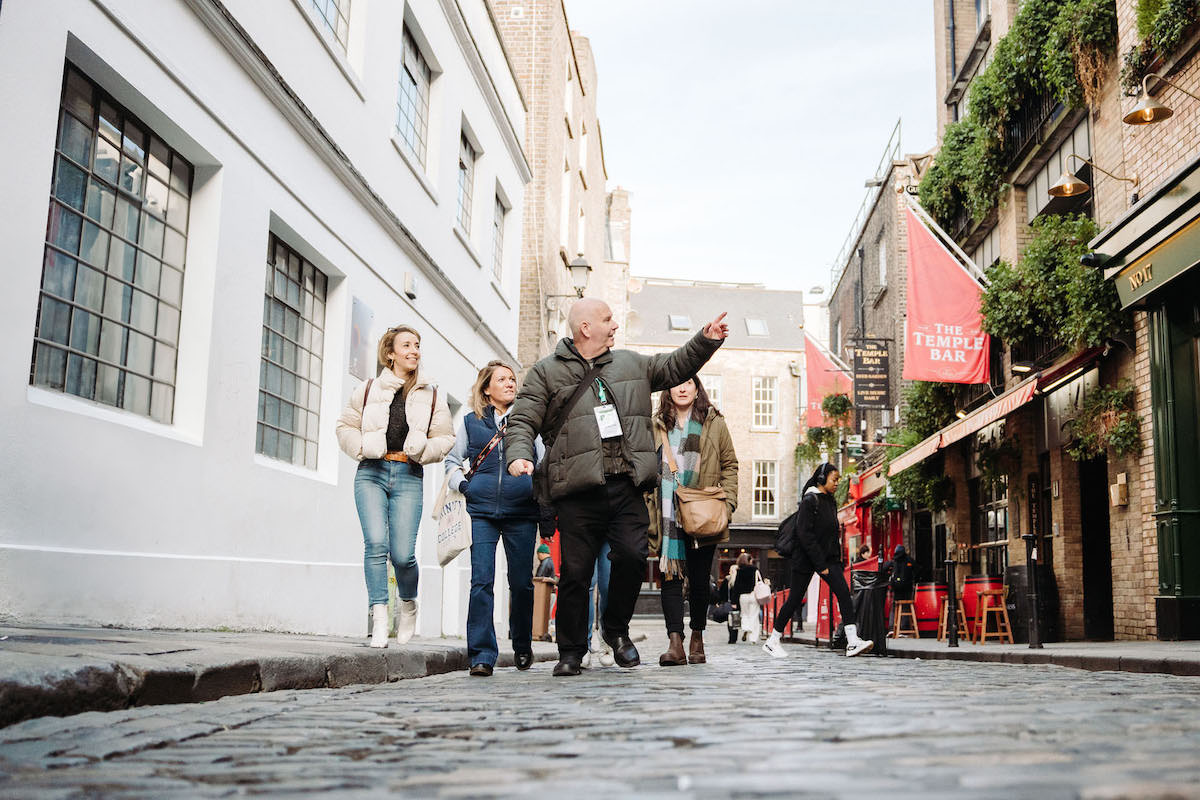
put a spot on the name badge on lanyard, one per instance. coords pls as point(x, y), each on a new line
point(607, 419)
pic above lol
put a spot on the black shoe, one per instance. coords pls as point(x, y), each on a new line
point(567, 665)
point(481, 670)
point(624, 653)
point(523, 661)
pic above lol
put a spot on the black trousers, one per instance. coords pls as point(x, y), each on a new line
point(699, 572)
point(615, 513)
point(801, 577)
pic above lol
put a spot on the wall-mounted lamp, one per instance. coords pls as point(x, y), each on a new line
point(1069, 185)
point(1150, 110)
point(1022, 367)
point(960, 414)
point(579, 269)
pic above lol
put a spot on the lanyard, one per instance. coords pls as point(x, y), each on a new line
point(600, 390)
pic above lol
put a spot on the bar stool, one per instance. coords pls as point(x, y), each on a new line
point(985, 610)
point(963, 631)
point(905, 609)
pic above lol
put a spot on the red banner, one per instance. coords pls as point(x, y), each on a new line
point(823, 377)
point(944, 337)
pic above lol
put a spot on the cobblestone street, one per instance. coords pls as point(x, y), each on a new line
point(743, 725)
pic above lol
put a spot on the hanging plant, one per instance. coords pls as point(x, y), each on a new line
point(807, 452)
point(997, 459)
point(824, 438)
point(1162, 26)
point(1106, 418)
point(837, 408)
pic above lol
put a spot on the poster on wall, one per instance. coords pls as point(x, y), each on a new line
point(362, 359)
point(871, 359)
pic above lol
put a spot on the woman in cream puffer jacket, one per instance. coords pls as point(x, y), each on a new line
point(393, 425)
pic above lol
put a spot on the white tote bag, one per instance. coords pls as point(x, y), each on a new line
point(454, 523)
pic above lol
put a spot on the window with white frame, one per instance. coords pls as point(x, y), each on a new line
point(412, 98)
point(756, 327)
point(333, 17)
point(679, 322)
point(766, 479)
point(712, 385)
point(466, 181)
point(112, 280)
point(498, 218)
point(289, 377)
point(764, 402)
point(883, 265)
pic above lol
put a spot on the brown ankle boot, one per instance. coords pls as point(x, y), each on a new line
point(674, 656)
point(696, 648)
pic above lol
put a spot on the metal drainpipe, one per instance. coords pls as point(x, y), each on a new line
point(953, 49)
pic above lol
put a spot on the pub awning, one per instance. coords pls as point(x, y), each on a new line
point(976, 421)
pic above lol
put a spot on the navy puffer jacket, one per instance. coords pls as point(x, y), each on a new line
point(491, 492)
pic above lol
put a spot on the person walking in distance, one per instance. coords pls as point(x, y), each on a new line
point(591, 405)
point(501, 507)
point(393, 425)
point(818, 549)
point(702, 449)
point(743, 577)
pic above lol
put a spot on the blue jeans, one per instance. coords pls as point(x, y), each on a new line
point(389, 496)
point(599, 582)
point(519, 536)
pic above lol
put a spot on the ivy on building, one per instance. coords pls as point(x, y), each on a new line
point(1055, 47)
point(1162, 26)
point(1105, 419)
point(928, 407)
point(998, 459)
point(1049, 293)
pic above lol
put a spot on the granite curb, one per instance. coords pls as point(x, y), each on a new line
point(60, 671)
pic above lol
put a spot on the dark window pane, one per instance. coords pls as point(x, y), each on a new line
point(135, 141)
point(108, 160)
point(160, 157)
point(64, 228)
point(181, 176)
point(117, 297)
point(110, 122)
point(58, 277)
point(49, 366)
point(93, 247)
point(85, 332)
point(101, 201)
point(75, 140)
point(81, 376)
point(89, 288)
point(78, 95)
point(69, 183)
point(54, 321)
point(132, 175)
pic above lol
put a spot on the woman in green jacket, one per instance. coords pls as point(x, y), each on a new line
point(703, 450)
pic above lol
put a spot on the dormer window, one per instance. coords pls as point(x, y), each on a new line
point(680, 322)
point(756, 327)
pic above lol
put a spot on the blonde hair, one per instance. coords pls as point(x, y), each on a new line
point(386, 343)
point(479, 400)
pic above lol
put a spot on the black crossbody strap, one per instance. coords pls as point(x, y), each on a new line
point(562, 411)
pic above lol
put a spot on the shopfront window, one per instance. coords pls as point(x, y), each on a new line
point(989, 527)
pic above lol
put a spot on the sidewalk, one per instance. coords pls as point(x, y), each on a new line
point(61, 670)
point(1172, 658)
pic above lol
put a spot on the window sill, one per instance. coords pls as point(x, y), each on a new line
point(500, 293)
point(61, 401)
point(466, 243)
point(291, 469)
point(417, 171)
point(338, 58)
point(772, 429)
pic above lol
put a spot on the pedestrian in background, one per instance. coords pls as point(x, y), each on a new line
point(743, 577)
point(729, 609)
point(394, 424)
point(694, 437)
point(545, 565)
point(818, 550)
point(600, 459)
point(864, 552)
point(501, 507)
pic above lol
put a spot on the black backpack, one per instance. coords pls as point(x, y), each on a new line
point(902, 573)
point(785, 538)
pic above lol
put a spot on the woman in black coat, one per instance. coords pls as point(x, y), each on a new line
point(818, 550)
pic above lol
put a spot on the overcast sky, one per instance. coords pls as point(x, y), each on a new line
point(711, 114)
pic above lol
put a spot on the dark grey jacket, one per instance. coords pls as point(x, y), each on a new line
point(574, 458)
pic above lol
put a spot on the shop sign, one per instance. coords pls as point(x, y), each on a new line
point(1171, 258)
point(1062, 406)
point(871, 358)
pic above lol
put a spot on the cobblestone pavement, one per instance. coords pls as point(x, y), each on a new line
point(815, 724)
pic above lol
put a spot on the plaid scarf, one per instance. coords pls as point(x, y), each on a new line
point(685, 444)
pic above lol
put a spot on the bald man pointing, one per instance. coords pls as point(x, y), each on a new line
point(591, 405)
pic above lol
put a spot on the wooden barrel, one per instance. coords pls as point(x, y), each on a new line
point(973, 585)
point(927, 598)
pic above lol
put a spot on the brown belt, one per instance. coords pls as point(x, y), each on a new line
point(395, 456)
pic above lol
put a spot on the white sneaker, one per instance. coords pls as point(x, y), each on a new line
point(772, 646)
point(586, 661)
point(406, 626)
point(854, 645)
point(379, 625)
point(606, 657)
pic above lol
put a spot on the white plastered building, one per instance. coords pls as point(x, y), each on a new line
point(213, 210)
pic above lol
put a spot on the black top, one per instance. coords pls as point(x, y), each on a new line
point(745, 580)
point(397, 429)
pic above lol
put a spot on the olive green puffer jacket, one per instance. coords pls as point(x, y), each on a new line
point(574, 458)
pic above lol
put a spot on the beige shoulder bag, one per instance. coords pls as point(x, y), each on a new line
point(702, 513)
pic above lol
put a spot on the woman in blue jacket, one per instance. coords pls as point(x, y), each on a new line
point(501, 507)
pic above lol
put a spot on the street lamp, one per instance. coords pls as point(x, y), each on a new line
point(1069, 185)
point(1150, 110)
point(579, 269)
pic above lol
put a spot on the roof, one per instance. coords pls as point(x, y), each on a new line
point(695, 303)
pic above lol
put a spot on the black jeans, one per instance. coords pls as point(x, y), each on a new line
point(615, 513)
point(699, 569)
point(801, 577)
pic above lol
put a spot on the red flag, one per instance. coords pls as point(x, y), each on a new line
point(823, 378)
point(944, 339)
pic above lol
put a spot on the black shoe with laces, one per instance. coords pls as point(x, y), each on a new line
point(523, 661)
point(567, 665)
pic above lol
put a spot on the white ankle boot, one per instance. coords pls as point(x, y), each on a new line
point(855, 645)
point(772, 646)
point(379, 625)
point(406, 625)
